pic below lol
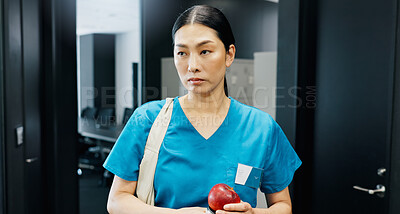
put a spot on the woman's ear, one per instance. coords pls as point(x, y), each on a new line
point(230, 56)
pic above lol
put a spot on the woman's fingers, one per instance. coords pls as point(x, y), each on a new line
point(192, 210)
point(242, 207)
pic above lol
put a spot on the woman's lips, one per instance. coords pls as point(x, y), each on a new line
point(195, 81)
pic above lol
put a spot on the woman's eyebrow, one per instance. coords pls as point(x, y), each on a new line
point(181, 45)
point(204, 42)
point(198, 45)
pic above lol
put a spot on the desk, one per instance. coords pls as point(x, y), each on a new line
point(89, 128)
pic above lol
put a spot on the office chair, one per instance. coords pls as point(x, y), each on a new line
point(89, 113)
point(105, 117)
point(89, 157)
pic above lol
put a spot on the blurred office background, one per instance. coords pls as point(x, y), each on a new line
point(72, 73)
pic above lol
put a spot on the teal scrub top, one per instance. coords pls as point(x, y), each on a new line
point(189, 165)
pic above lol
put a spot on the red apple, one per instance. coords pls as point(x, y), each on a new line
point(220, 195)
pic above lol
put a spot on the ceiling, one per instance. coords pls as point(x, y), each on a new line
point(105, 16)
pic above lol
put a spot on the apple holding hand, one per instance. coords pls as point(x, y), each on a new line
point(220, 195)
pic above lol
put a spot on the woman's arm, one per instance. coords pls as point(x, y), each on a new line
point(122, 201)
point(278, 203)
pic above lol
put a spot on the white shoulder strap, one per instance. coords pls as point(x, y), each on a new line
point(145, 186)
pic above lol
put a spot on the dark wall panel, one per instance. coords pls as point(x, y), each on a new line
point(254, 24)
point(98, 69)
point(2, 130)
point(394, 190)
point(13, 106)
point(156, 42)
point(288, 24)
point(104, 70)
point(32, 79)
point(306, 89)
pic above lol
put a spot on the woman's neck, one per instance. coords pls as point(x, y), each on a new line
point(213, 103)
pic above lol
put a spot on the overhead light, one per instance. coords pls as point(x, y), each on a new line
point(275, 1)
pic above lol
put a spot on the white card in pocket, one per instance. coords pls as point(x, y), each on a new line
point(248, 176)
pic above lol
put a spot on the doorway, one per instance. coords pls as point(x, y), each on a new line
point(108, 45)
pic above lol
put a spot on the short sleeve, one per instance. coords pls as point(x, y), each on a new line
point(281, 162)
point(126, 154)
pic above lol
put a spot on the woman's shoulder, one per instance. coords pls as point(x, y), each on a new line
point(149, 110)
point(250, 111)
point(152, 105)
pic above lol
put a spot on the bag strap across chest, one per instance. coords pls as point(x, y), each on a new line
point(147, 168)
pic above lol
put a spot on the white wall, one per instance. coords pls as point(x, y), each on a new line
point(127, 51)
point(85, 72)
point(240, 80)
point(265, 73)
point(170, 81)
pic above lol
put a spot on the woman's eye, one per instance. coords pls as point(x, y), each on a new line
point(181, 53)
point(205, 52)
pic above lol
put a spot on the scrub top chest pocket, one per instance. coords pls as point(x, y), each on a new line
point(248, 176)
point(246, 180)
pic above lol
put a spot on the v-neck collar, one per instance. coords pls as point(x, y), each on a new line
point(223, 124)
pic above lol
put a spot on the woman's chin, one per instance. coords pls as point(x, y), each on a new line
point(199, 90)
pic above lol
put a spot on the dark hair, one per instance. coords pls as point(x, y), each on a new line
point(212, 18)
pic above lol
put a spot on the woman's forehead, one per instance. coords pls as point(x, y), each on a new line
point(195, 34)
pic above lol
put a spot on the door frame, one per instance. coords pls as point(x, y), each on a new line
point(394, 171)
point(59, 107)
point(2, 140)
point(297, 29)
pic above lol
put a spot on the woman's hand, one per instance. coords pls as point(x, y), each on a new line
point(191, 210)
point(242, 207)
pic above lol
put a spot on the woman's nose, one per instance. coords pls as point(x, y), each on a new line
point(193, 64)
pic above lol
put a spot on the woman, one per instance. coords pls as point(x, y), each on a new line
point(211, 138)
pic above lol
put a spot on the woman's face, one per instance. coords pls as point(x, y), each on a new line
point(201, 59)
